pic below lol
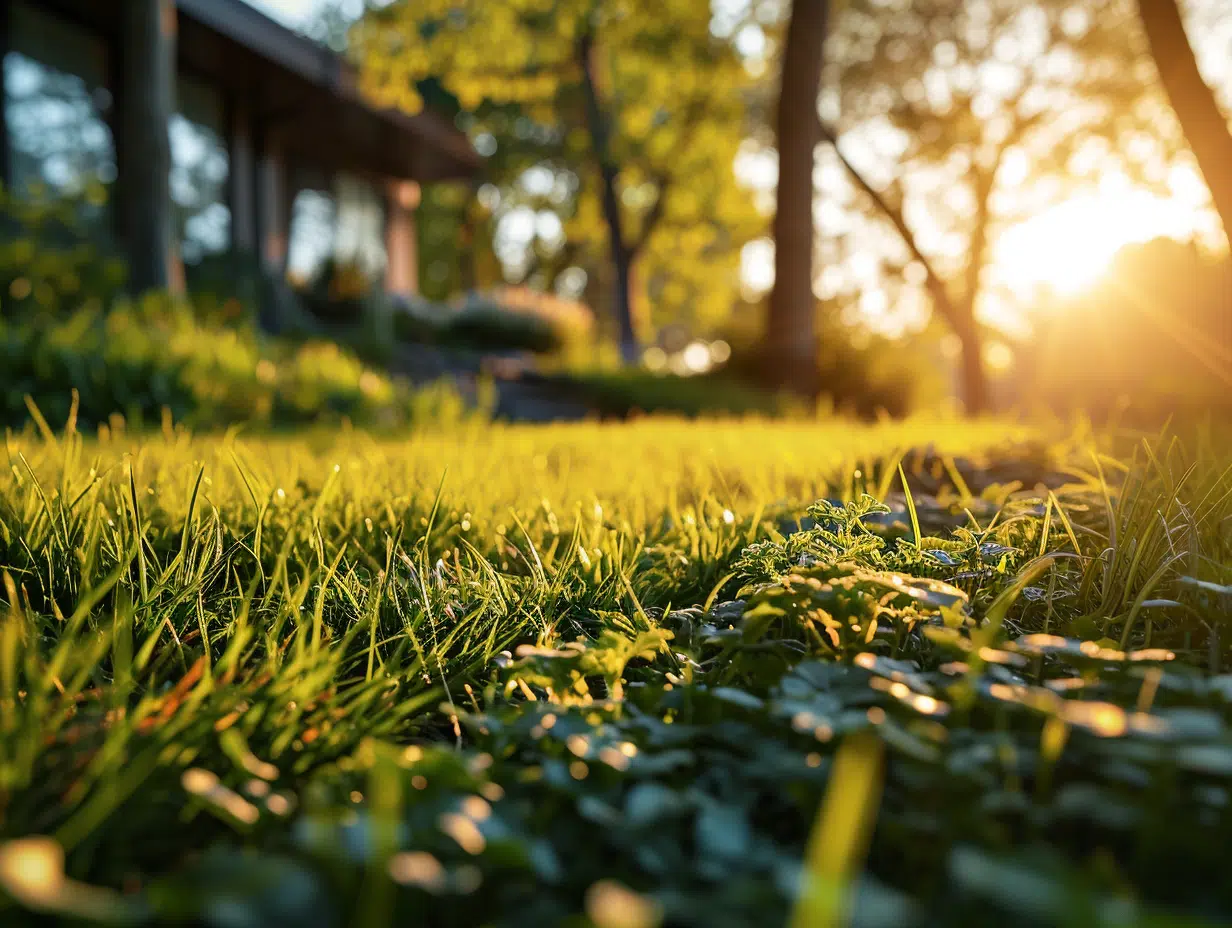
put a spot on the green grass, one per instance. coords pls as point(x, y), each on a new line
point(601, 674)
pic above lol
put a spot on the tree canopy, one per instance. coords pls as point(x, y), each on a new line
point(634, 108)
point(983, 112)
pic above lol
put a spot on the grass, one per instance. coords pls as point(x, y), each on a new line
point(603, 674)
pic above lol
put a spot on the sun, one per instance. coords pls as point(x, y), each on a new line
point(1065, 249)
point(1070, 246)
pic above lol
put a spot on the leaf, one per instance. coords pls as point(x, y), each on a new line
point(737, 697)
point(648, 803)
point(722, 830)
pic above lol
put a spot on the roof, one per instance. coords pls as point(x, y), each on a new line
point(324, 69)
point(306, 93)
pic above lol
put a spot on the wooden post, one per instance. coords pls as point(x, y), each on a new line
point(6, 166)
point(241, 178)
point(271, 199)
point(401, 244)
point(148, 29)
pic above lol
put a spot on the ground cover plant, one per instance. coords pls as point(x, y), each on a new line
point(684, 673)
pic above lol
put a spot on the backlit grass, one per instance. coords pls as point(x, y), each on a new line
point(514, 675)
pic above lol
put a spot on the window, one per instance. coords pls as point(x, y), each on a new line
point(56, 106)
point(360, 237)
point(199, 166)
point(313, 219)
point(345, 224)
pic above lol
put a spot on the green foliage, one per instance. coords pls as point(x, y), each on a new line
point(500, 320)
point(49, 261)
point(157, 358)
point(518, 319)
point(629, 391)
point(668, 125)
point(860, 372)
point(73, 344)
point(1165, 348)
point(307, 681)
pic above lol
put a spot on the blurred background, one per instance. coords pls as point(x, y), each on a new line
point(296, 210)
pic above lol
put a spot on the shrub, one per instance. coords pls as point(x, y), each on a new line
point(50, 261)
point(338, 292)
point(1156, 333)
point(485, 324)
point(227, 288)
point(142, 358)
point(505, 319)
point(419, 321)
point(859, 372)
point(623, 392)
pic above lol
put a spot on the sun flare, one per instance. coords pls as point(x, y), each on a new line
point(1069, 247)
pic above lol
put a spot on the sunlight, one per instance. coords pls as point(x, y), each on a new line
point(1069, 247)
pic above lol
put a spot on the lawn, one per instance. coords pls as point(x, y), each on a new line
point(621, 675)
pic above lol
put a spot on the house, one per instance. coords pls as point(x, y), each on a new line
point(271, 151)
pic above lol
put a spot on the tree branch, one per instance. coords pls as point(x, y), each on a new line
point(934, 282)
point(653, 217)
point(985, 185)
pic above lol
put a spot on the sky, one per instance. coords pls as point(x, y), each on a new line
point(290, 12)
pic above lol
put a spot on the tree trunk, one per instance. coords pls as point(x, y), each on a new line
point(959, 316)
point(149, 92)
point(791, 327)
point(621, 253)
point(1204, 125)
point(974, 377)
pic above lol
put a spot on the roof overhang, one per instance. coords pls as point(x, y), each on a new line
point(304, 93)
point(444, 149)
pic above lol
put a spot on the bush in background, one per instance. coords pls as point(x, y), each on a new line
point(142, 358)
point(509, 319)
point(1156, 333)
point(66, 325)
point(622, 392)
point(50, 261)
point(860, 372)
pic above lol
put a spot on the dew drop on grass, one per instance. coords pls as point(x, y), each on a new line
point(32, 870)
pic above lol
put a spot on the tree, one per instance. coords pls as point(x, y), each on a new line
point(791, 333)
point(1204, 124)
point(145, 149)
point(636, 104)
point(961, 92)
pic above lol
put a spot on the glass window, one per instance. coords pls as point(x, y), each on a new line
point(313, 219)
point(360, 237)
point(199, 166)
point(345, 223)
point(55, 106)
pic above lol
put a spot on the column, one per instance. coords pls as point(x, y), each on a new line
point(401, 242)
point(149, 28)
point(6, 173)
point(272, 221)
point(242, 180)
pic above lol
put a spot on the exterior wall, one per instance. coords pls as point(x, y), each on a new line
point(257, 159)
